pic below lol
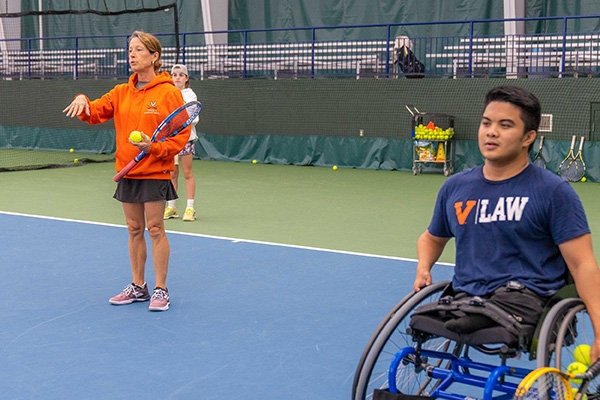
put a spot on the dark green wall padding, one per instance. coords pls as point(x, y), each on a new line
point(317, 122)
point(345, 106)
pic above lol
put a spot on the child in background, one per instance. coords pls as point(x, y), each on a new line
point(181, 79)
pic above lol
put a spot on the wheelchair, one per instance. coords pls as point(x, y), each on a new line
point(405, 360)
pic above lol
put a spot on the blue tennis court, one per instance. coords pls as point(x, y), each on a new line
point(247, 320)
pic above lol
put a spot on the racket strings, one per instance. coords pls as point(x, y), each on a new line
point(179, 120)
point(549, 386)
point(174, 124)
point(165, 131)
point(573, 171)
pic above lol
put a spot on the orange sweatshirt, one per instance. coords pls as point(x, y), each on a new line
point(143, 110)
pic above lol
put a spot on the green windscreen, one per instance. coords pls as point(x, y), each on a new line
point(36, 134)
point(351, 122)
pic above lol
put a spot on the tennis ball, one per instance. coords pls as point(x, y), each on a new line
point(576, 368)
point(76, 161)
point(254, 161)
point(582, 354)
point(335, 167)
point(136, 136)
point(584, 179)
point(71, 150)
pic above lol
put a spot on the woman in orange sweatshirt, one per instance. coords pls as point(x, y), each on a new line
point(141, 104)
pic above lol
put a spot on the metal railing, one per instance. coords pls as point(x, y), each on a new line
point(317, 52)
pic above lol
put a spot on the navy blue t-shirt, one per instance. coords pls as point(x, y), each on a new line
point(508, 230)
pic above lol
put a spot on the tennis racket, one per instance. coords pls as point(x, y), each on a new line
point(574, 169)
point(562, 167)
point(545, 383)
point(539, 158)
point(174, 123)
point(412, 109)
point(549, 383)
point(581, 168)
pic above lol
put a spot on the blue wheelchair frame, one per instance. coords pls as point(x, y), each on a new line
point(433, 371)
point(494, 382)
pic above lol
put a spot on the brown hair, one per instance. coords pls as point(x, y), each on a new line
point(151, 43)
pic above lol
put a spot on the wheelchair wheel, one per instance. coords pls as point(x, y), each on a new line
point(566, 326)
point(390, 336)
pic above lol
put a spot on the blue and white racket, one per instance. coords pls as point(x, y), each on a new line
point(174, 123)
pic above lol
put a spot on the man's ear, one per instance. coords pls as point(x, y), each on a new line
point(530, 137)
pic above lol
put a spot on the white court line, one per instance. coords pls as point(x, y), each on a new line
point(233, 240)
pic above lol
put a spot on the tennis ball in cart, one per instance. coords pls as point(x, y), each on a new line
point(582, 354)
point(135, 136)
point(576, 368)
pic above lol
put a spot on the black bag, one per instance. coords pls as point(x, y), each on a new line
point(409, 64)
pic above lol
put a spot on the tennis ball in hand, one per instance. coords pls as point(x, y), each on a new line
point(136, 136)
point(584, 179)
point(582, 354)
point(335, 168)
point(576, 368)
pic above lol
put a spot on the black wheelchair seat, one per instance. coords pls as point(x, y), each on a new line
point(479, 321)
point(425, 326)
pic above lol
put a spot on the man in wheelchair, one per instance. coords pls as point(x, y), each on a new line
point(521, 234)
point(519, 231)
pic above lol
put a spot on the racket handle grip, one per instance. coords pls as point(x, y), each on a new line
point(125, 170)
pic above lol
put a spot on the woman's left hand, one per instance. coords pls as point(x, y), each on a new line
point(144, 145)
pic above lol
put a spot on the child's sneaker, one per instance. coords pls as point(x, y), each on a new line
point(170, 212)
point(130, 294)
point(159, 300)
point(189, 214)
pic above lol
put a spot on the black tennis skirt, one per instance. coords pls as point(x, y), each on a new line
point(144, 190)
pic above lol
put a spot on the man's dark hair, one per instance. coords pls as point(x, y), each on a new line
point(531, 111)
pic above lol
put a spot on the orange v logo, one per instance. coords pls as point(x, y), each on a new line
point(462, 214)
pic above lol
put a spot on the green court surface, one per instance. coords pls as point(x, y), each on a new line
point(357, 210)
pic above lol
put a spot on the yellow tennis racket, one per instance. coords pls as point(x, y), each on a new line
point(545, 383)
point(549, 383)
